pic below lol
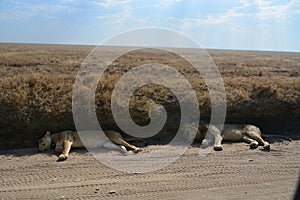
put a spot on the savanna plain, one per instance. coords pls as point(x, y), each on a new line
point(36, 84)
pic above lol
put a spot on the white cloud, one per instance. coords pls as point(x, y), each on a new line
point(168, 2)
point(218, 18)
point(259, 9)
point(25, 10)
point(110, 3)
point(117, 18)
point(48, 8)
point(121, 11)
point(267, 10)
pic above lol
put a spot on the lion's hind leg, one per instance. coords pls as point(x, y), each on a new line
point(110, 145)
point(262, 142)
point(127, 145)
point(253, 143)
point(255, 133)
point(117, 139)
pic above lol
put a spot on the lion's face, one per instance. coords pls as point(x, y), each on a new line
point(45, 142)
point(189, 132)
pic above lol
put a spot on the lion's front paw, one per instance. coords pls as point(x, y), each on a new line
point(253, 145)
point(218, 147)
point(137, 150)
point(123, 150)
point(62, 157)
point(267, 146)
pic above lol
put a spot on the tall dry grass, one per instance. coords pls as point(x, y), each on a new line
point(36, 83)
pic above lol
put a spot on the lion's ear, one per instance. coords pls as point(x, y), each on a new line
point(47, 133)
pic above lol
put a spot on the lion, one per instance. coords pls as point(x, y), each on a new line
point(231, 132)
point(63, 141)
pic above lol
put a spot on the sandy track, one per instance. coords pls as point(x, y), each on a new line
point(234, 173)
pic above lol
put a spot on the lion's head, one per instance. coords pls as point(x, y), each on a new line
point(45, 142)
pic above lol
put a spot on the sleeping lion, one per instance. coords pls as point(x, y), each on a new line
point(63, 142)
point(231, 132)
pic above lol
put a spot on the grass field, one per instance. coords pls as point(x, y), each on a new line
point(36, 82)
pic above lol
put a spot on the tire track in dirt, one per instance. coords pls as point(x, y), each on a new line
point(236, 172)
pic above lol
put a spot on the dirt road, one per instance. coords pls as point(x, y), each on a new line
point(234, 173)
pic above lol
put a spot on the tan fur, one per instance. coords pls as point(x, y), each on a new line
point(231, 132)
point(63, 142)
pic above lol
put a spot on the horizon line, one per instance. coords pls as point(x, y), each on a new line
point(206, 48)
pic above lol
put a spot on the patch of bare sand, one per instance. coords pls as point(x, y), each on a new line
point(234, 173)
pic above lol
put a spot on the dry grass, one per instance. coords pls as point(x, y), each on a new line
point(37, 81)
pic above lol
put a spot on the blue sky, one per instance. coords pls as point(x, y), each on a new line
point(221, 24)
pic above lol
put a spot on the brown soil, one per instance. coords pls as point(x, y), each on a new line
point(234, 173)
